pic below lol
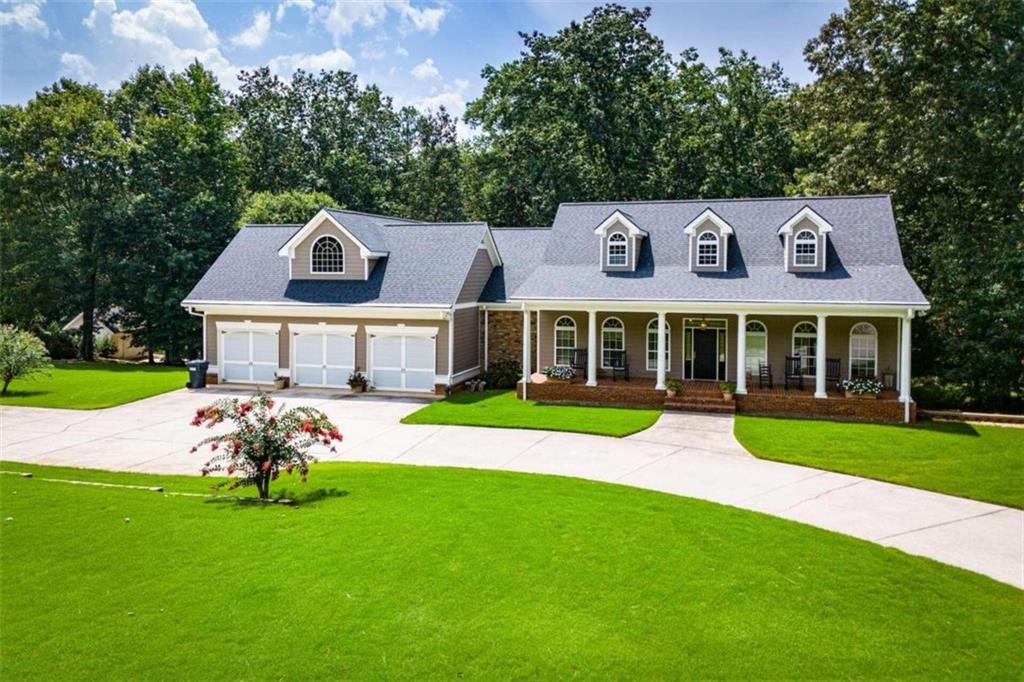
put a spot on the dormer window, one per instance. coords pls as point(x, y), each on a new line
point(327, 256)
point(707, 249)
point(806, 248)
point(617, 249)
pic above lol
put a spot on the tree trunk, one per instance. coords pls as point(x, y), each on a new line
point(149, 353)
point(7, 382)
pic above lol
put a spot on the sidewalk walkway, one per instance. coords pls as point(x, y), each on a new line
point(683, 454)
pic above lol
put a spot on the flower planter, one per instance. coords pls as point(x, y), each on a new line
point(280, 383)
point(726, 396)
point(671, 394)
point(860, 396)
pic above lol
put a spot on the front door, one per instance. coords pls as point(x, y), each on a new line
point(705, 354)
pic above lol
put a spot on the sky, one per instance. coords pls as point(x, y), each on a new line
point(421, 52)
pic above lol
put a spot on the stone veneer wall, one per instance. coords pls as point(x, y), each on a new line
point(505, 336)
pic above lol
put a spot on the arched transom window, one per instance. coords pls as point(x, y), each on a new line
point(805, 345)
point(327, 256)
point(806, 249)
point(757, 346)
point(617, 249)
point(565, 340)
point(863, 350)
point(652, 345)
point(707, 248)
point(613, 338)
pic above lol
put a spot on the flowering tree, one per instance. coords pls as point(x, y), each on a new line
point(21, 354)
point(264, 442)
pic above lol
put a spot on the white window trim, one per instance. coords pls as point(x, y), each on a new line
point(554, 340)
point(718, 244)
point(323, 328)
point(746, 344)
point(805, 335)
point(874, 338)
point(796, 244)
point(273, 327)
point(668, 346)
point(621, 330)
point(608, 250)
point(344, 256)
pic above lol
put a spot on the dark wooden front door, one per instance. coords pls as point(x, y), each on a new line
point(705, 353)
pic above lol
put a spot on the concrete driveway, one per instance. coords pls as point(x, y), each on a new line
point(682, 454)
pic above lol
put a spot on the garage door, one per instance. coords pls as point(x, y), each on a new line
point(248, 356)
point(323, 358)
point(403, 359)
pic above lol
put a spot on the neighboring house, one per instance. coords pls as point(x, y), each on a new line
point(690, 290)
point(104, 325)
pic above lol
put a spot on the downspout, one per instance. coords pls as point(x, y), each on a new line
point(451, 346)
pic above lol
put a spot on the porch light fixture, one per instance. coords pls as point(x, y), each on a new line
point(704, 323)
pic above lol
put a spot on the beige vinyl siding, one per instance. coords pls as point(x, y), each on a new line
point(477, 278)
point(355, 267)
point(361, 323)
point(466, 339)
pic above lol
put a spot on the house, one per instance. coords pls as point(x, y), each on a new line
point(105, 324)
point(752, 291)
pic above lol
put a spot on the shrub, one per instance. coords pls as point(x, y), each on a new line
point(264, 442)
point(22, 354)
point(60, 344)
point(357, 381)
point(503, 373)
point(105, 346)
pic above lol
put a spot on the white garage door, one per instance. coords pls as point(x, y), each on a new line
point(248, 356)
point(401, 360)
point(323, 359)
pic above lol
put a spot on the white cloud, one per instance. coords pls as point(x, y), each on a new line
point(427, 19)
point(76, 66)
point(342, 16)
point(425, 70)
point(286, 65)
point(25, 15)
point(306, 5)
point(256, 34)
point(453, 98)
point(401, 51)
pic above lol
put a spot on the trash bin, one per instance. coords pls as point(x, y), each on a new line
point(197, 373)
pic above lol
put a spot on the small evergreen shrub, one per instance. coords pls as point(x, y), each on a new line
point(503, 373)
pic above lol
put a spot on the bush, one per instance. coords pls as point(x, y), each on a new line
point(105, 346)
point(60, 344)
point(21, 355)
point(503, 373)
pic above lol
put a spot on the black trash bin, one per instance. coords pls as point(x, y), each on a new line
point(197, 373)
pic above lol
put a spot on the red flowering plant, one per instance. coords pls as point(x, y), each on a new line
point(265, 441)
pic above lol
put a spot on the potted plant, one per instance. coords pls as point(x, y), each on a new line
point(672, 388)
point(727, 388)
point(357, 381)
point(559, 373)
point(280, 382)
point(862, 388)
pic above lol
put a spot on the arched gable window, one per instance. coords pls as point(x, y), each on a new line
point(757, 346)
point(613, 338)
point(652, 345)
point(806, 248)
point(327, 256)
point(805, 345)
point(707, 249)
point(863, 350)
point(617, 249)
point(565, 340)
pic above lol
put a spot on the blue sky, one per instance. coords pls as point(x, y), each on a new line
point(421, 52)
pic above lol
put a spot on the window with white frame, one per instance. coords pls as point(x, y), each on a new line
point(806, 248)
point(565, 340)
point(805, 346)
point(707, 249)
point(863, 350)
point(327, 256)
point(652, 345)
point(757, 346)
point(617, 249)
point(613, 338)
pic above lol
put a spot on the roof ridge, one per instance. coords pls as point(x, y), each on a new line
point(271, 225)
point(525, 227)
point(724, 200)
point(372, 215)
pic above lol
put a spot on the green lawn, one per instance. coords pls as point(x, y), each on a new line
point(981, 462)
point(388, 571)
point(503, 409)
point(92, 385)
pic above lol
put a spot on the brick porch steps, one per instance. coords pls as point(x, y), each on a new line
point(700, 403)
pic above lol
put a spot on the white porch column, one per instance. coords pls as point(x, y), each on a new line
point(487, 324)
point(526, 349)
point(591, 348)
point(661, 352)
point(741, 353)
point(819, 360)
point(905, 364)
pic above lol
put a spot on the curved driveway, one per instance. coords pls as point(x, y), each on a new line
point(683, 454)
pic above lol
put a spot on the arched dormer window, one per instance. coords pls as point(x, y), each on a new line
point(617, 249)
point(805, 248)
point(565, 340)
point(613, 338)
point(863, 351)
point(707, 249)
point(327, 256)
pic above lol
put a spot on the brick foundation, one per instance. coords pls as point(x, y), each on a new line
point(580, 394)
point(797, 405)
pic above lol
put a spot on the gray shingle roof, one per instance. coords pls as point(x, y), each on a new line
point(427, 264)
point(864, 263)
point(366, 226)
point(521, 250)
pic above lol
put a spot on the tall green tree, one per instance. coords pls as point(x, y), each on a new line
point(926, 101)
point(61, 186)
point(431, 183)
point(285, 208)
